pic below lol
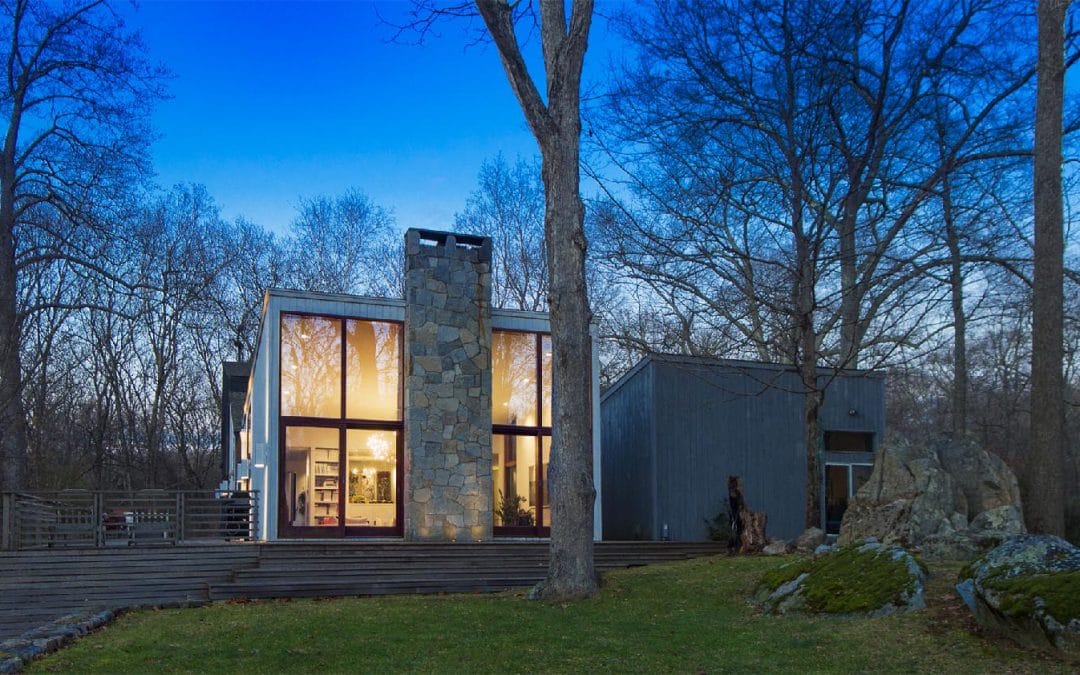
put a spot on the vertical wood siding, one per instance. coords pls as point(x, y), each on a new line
point(626, 420)
point(711, 419)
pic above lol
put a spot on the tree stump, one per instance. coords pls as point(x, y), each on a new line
point(747, 527)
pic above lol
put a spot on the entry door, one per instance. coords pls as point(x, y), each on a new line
point(842, 481)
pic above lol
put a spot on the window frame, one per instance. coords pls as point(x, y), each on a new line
point(538, 431)
point(343, 424)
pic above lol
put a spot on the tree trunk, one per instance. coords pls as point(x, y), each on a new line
point(571, 571)
point(849, 296)
point(13, 431)
point(748, 527)
point(807, 363)
point(956, 296)
point(556, 125)
point(812, 399)
point(1043, 475)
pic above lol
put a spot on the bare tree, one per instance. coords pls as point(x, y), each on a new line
point(334, 244)
point(555, 120)
point(782, 165)
point(1043, 476)
point(76, 94)
point(508, 206)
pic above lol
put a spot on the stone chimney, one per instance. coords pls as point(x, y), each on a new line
point(447, 386)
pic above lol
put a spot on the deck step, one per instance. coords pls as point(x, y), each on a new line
point(41, 585)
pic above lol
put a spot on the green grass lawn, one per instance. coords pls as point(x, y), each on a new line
point(683, 617)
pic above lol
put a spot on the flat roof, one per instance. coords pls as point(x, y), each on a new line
point(730, 364)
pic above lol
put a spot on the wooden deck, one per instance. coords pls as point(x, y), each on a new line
point(39, 586)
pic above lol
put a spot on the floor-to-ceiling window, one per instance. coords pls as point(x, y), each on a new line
point(341, 426)
point(521, 432)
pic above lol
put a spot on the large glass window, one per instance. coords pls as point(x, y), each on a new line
point(545, 377)
point(521, 440)
point(341, 457)
point(310, 366)
point(373, 370)
point(312, 476)
point(513, 378)
point(372, 478)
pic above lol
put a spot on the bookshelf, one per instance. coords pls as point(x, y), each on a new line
point(325, 489)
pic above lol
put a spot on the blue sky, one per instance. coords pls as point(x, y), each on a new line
point(273, 101)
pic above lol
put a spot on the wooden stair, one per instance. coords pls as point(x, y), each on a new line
point(39, 586)
point(348, 569)
point(42, 585)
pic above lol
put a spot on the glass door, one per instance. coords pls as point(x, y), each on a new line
point(842, 481)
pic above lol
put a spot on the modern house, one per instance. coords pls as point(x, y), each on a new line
point(675, 427)
point(426, 418)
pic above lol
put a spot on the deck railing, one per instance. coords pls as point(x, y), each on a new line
point(84, 518)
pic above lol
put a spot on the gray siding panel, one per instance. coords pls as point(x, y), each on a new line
point(711, 420)
point(627, 481)
point(714, 422)
point(862, 394)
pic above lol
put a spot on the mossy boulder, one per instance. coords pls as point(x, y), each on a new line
point(1027, 589)
point(867, 579)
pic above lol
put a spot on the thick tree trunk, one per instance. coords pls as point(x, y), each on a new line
point(812, 399)
point(571, 571)
point(556, 124)
point(1043, 475)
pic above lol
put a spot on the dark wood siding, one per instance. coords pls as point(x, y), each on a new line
point(627, 419)
point(713, 419)
point(718, 421)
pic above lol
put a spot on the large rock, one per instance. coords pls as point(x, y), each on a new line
point(983, 480)
point(1027, 589)
point(868, 579)
point(953, 501)
point(986, 531)
point(908, 498)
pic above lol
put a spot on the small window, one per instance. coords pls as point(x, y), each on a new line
point(849, 441)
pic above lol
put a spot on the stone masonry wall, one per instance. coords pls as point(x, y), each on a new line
point(447, 387)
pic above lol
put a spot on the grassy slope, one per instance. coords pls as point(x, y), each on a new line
point(689, 616)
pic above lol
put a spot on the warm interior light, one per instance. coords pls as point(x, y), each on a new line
point(379, 446)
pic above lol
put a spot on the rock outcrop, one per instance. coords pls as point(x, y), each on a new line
point(1027, 589)
point(810, 539)
point(953, 501)
point(868, 579)
point(776, 547)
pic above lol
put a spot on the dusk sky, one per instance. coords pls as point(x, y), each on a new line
point(274, 101)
